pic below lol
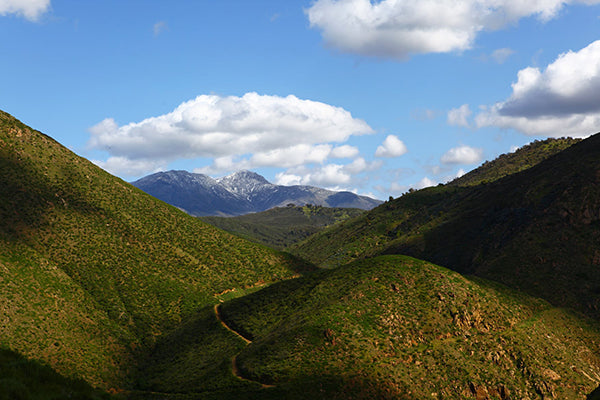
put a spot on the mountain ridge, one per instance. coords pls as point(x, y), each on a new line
point(240, 193)
point(535, 230)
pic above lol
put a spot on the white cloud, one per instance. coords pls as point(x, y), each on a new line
point(399, 28)
point(391, 147)
point(332, 176)
point(249, 131)
point(160, 27)
point(425, 182)
point(563, 99)
point(462, 155)
point(460, 116)
point(344, 151)
point(291, 156)
point(286, 179)
point(501, 55)
point(130, 167)
point(30, 9)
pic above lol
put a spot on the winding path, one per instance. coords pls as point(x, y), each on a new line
point(234, 367)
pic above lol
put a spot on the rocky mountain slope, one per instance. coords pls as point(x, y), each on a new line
point(240, 193)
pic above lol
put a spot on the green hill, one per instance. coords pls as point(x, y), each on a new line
point(520, 160)
point(102, 283)
point(94, 271)
point(399, 328)
point(22, 379)
point(536, 230)
point(281, 227)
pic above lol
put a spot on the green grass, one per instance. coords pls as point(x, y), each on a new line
point(535, 229)
point(93, 271)
point(281, 227)
point(104, 289)
point(22, 379)
point(396, 327)
point(511, 163)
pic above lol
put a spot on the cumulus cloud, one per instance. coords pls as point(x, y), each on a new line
point(460, 116)
point(130, 167)
point(391, 147)
point(332, 176)
point(344, 151)
point(425, 182)
point(563, 99)
point(30, 9)
point(249, 131)
point(399, 28)
point(462, 155)
point(291, 156)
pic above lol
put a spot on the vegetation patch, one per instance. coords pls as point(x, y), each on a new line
point(405, 328)
point(281, 227)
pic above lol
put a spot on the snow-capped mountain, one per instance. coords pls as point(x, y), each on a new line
point(239, 193)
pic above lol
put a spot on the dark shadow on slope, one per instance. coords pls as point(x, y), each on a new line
point(313, 387)
point(23, 379)
point(196, 357)
point(27, 197)
point(595, 395)
point(536, 230)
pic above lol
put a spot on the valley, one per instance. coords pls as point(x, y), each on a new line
point(484, 288)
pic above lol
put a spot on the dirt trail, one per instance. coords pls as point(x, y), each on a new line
point(234, 367)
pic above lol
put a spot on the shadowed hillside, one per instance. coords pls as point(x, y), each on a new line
point(93, 270)
point(102, 282)
point(400, 328)
point(536, 230)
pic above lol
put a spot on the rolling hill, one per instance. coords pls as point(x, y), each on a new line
point(107, 292)
point(281, 227)
point(94, 271)
point(393, 327)
point(535, 230)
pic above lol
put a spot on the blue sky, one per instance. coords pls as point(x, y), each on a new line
point(370, 96)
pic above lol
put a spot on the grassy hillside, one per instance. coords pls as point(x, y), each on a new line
point(399, 328)
point(22, 379)
point(511, 163)
point(281, 227)
point(94, 271)
point(104, 283)
point(536, 230)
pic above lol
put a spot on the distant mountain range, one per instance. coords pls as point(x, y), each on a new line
point(240, 193)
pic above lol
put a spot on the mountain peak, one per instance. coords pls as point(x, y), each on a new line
point(244, 175)
point(244, 182)
point(240, 193)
